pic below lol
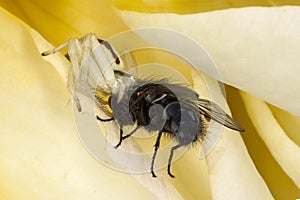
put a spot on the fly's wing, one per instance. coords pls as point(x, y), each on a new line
point(218, 118)
point(209, 140)
point(212, 111)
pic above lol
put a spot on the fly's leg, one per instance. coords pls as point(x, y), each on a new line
point(105, 120)
point(126, 136)
point(121, 136)
point(156, 146)
point(170, 159)
point(132, 132)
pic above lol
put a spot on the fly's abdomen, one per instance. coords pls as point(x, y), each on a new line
point(182, 122)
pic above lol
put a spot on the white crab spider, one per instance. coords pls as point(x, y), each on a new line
point(97, 59)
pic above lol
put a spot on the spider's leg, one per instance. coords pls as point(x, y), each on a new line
point(75, 56)
point(129, 61)
point(171, 157)
point(91, 73)
point(105, 59)
point(74, 53)
point(156, 146)
point(128, 64)
point(89, 56)
point(56, 49)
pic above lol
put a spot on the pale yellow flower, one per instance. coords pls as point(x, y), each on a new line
point(41, 154)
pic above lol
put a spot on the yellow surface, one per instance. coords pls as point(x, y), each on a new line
point(41, 156)
point(194, 6)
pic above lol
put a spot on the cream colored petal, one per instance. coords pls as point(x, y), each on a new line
point(232, 172)
point(289, 123)
point(41, 156)
point(283, 149)
point(255, 49)
point(57, 20)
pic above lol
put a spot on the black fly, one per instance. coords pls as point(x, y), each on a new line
point(163, 107)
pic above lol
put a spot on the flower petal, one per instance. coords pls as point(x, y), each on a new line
point(57, 21)
point(283, 149)
point(192, 6)
point(255, 49)
point(41, 154)
point(232, 172)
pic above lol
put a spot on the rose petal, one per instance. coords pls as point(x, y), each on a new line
point(255, 49)
point(41, 154)
point(289, 123)
point(57, 21)
point(232, 172)
point(283, 149)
